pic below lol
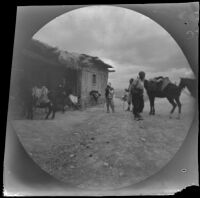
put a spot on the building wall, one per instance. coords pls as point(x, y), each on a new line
point(33, 72)
point(87, 84)
point(72, 81)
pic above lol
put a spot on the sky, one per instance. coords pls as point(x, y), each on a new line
point(127, 40)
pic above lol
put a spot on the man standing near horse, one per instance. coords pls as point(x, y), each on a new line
point(109, 94)
point(137, 90)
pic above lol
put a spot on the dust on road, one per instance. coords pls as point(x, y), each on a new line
point(94, 149)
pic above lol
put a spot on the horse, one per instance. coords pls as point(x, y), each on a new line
point(191, 85)
point(50, 101)
point(172, 92)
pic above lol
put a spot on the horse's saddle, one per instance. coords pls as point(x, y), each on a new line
point(159, 84)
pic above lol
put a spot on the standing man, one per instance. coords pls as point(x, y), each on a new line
point(62, 86)
point(129, 100)
point(137, 95)
point(61, 94)
point(109, 94)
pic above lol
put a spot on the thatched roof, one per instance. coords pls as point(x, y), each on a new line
point(68, 59)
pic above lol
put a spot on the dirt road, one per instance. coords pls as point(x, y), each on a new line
point(94, 149)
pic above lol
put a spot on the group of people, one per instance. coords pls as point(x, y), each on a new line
point(135, 96)
point(41, 94)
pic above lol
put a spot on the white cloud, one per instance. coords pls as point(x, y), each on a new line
point(123, 38)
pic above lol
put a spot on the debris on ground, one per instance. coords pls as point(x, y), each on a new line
point(72, 155)
point(143, 139)
point(78, 153)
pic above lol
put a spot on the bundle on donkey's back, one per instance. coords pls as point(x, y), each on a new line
point(45, 99)
point(74, 101)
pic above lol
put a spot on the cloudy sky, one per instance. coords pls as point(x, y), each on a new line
point(127, 40)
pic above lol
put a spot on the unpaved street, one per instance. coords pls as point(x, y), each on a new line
point(94, 149)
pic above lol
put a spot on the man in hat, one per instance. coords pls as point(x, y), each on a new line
point(109, 94)
point(137, 91)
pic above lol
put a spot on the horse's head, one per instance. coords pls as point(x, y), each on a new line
point(182, 83)
point(191, 85)
point(126, 90)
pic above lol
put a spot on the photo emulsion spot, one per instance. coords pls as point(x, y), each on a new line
point(102, 98)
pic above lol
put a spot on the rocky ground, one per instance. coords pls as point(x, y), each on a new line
point(94, 149)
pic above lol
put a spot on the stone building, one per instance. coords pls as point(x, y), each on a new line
point(41, 64)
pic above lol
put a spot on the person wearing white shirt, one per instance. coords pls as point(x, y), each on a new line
point(129, 99)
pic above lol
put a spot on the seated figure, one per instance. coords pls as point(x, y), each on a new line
point(95, 95)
